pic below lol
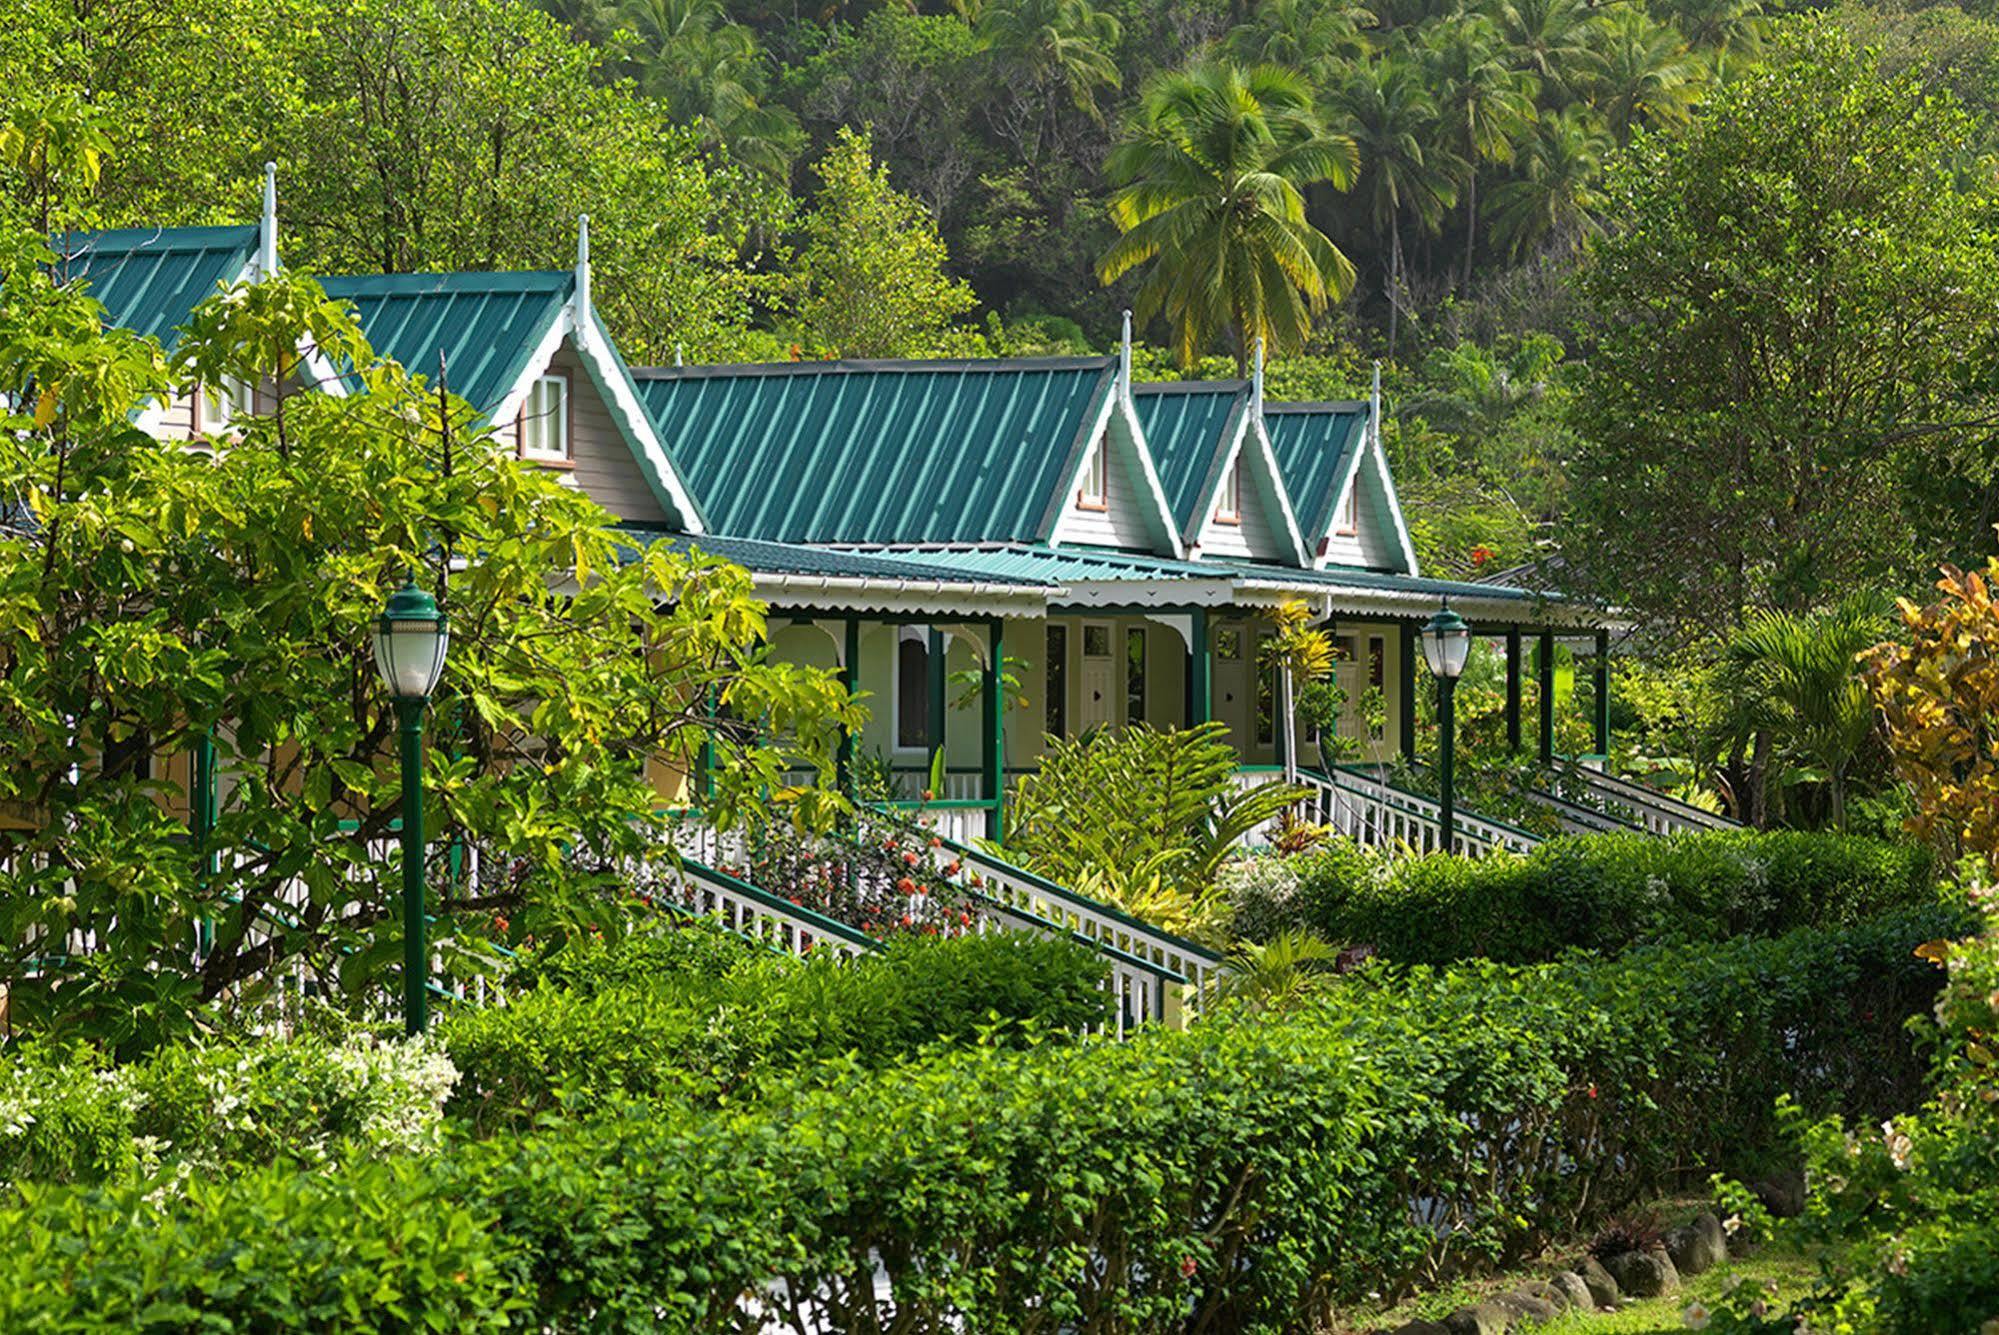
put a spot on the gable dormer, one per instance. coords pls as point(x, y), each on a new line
point(1219, 472)
point(530, 354)
point(1337, 473)
point(1114, 497)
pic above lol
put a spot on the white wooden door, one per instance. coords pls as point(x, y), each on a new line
point(1097, 697)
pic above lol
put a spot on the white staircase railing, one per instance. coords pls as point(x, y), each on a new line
point(1655, 811)
point(1374, 812)
point(1148, 968)
point(1575, 818)
point(1114, 932)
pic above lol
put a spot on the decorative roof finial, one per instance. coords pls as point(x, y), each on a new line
point(1374, 406)
point(267, 226)
point(1256, 381)
point(1124, 358)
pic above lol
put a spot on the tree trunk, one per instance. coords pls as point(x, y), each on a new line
point(1471, 222)
point(1394, 281)
point(1759, 782)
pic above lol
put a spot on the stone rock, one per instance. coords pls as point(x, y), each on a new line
point(1647, 1274)
point(1422, 1328)
point(1546, 1292)
point(1603, 1290)
point(1782, 1193)
point(1697, 1246)
point(1529, 1309)
point(1572, 1287)
point(1479, 1319)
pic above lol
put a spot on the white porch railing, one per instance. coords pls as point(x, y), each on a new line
point(1655, 811)
point(1374, 812)
point(1575, 818)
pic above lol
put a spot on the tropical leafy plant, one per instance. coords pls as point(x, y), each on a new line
point(1145, 815)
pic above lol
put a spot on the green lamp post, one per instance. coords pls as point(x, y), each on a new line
point(1446, 642)
point(410, 639)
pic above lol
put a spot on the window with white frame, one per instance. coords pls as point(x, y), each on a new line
point(219, 405)
point(1228, 508)
point(1095, 491)
point(544, 424)
point(1349, 523)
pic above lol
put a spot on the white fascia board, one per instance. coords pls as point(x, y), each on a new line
point(1219, 464)
point(1406, 603)
point(1402, 537)
point(1079, 460)
point(622, 398)
point(928, 597)
point(1162, 509)
point(1176, 592)
point(1251, 435)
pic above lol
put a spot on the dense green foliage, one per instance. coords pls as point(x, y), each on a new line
point(1252, 1173)
point(1739, 448)
point(1604, 893)
point(153, 596)
point(703, 1035)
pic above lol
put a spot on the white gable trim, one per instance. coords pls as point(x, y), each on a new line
point(1402, 537)
point(1248, 426)
point(1371, 454)
point(615, 385)
point(1116, 404)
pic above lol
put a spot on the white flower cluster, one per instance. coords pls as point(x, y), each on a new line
point(403, 1088)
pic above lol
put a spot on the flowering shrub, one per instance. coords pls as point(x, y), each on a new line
point(1262, 893)
point(66, 1116)
point(1608, 893)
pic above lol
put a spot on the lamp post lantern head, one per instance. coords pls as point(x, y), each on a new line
point(1446, 641)
point(410, 640)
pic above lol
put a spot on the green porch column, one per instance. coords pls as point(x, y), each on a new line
point(1603, 693)
point(205, 810)
point(1545, 653)
point(1200, 671)
point(934, 698)
point(850, 677)
point(1513, 666)
point(1405, 677)
point(992, 707)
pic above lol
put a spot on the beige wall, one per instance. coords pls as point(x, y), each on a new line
point(601, 460)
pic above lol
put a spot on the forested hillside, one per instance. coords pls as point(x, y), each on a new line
point(1470, 193)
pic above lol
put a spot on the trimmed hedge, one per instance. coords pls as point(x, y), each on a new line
point(1608, 893)
point(702, 1033)
point(1241, 1176)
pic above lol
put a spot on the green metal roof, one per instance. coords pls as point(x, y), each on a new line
point(781, 558)
point(486, 325)
point(878, 452)
point(1188, 427)
point(149, 279)
point(1314, 442)
point(1382, 581)
point(1059, 565)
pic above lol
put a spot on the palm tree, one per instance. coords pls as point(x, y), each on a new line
point(1301, 34)
point(703, 67)
point(1555, 195)
point(1485, 104)
point(1549, 39)
point(1643, 70)
point(1798, 680)
point(1060, 44)
point(1736, 26)
point(1211, 197)
point(1387, 109)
